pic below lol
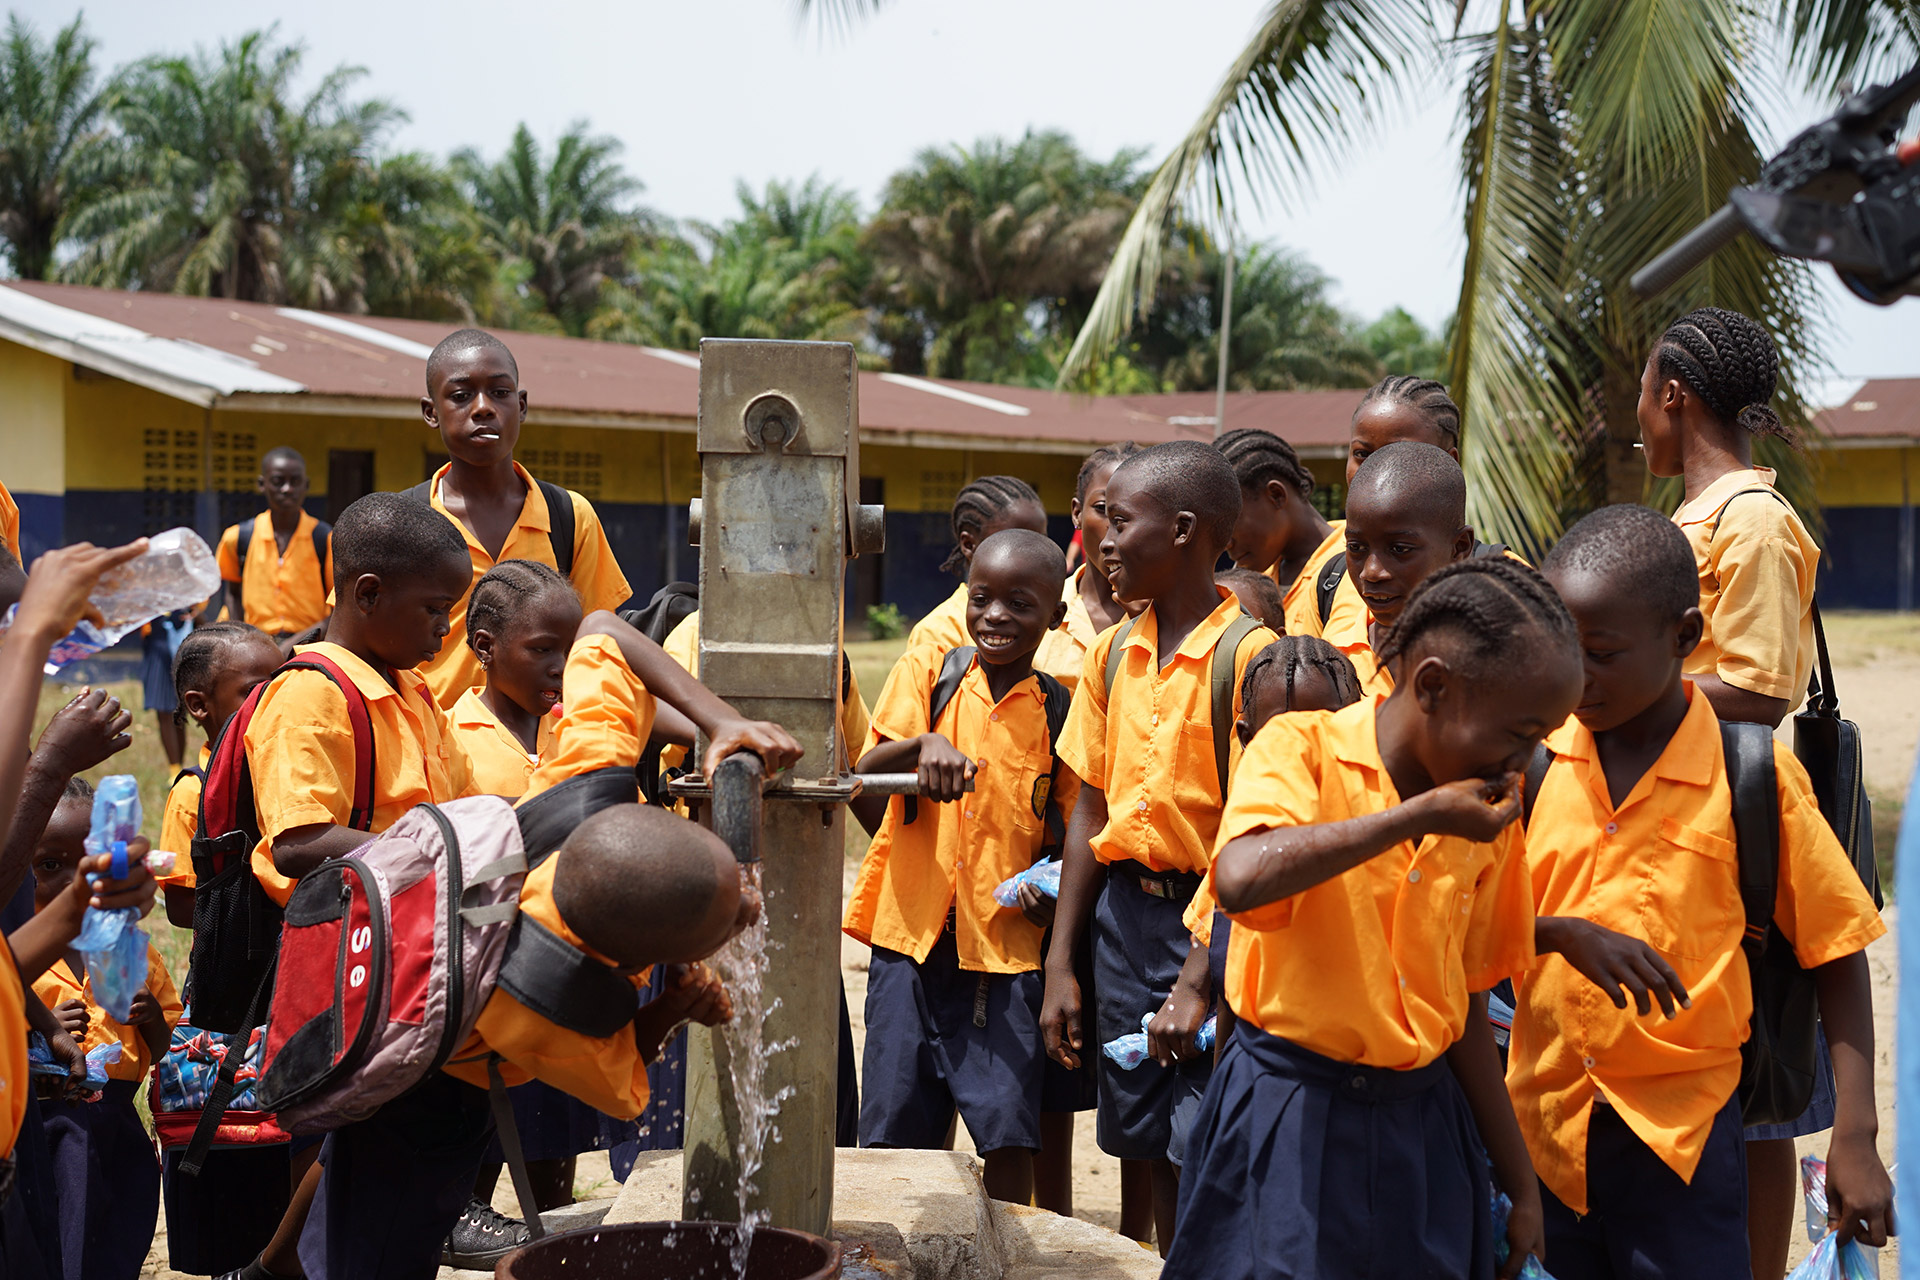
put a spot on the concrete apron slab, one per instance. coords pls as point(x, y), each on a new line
point(924, 1215)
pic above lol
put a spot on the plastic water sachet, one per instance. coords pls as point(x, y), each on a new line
point(1044, 876)
point(177, 571)
point(1531, 1268)
point(1131, 1049)
point(1832, 1261)
point(113, 942)
point(40, 1061)
point(1863, 1259)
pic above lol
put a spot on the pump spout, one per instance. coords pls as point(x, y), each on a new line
point(737, 785)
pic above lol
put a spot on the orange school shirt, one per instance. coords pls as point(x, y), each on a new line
point(280, 594)
point(1150, 747)
point(605, 1073)
point(10, 524)
point(1063, 650)
point(607, 716)
point(1663, 868)
point(1302, 599)
point(596, 576)
point(1374, 965)
point(1757, 563)
point(683, 646)
point(946, 626)
point(180, 822)
point(300, 751)
point(953, 855)
point(499, 763)
point(14, 1078)
point(61, 983)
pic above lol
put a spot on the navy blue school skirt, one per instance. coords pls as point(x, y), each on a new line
point(1140, 943)
point(950, 1039)
point(106, 1177)
point(221, 1218)
point(1302, 1168)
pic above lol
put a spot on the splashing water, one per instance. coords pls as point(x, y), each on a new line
point(742, 965)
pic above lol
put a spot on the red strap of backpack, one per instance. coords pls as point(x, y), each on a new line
point(361, 723)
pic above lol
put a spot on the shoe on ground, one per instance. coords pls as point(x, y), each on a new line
point(482, 1237)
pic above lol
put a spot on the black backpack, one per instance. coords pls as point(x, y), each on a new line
point(953, 669)
point(322, 533)
point(1335, 569)
point(559, 520)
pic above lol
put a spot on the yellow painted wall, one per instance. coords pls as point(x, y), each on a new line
point(33, 419)
point(1866, 477)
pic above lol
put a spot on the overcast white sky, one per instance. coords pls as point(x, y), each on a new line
point(707, 92)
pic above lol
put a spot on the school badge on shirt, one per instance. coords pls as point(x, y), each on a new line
point(1042, 788)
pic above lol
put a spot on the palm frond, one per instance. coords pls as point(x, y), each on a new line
point(1303, 90)
point(1833, 42)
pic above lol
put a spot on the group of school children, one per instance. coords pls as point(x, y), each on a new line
point(1286, 802)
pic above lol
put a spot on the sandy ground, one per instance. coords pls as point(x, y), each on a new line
point(1878, 678)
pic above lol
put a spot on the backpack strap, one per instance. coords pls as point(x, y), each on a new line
point(1222, 688)
point(549, 818)
point(322, 544)
point(243, 541)
point(508, 1130)
point(1328, 585)
point(564, 984)
point(226, 1079)
point(1535, 775)
point(1058, 702)
point(1751, 777)
point(1116, 649)
point(559, 526)
point(188, 771)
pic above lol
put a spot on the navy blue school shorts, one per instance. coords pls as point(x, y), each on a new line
point(1642, 1221)
point(1140, 944)
point(219, 1219)
point(1818, 1117)
point(1301, 1166)
point(941, 1038)
point(1062, 1089)
point(395, 1183)
point(106, 1179)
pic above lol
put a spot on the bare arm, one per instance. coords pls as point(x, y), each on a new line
point(82, 734)
point(1061, 1023)
point(298, 850)
point(1475, 1062)
point(1730, 702)
point(943, 772)
point(1268, 865)
point(1858, 1189)
point(39, 942)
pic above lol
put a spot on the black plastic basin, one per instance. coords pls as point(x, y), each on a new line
point(671, 1251)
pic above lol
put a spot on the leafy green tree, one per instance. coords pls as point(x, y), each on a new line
point(980, 252)
point(1403, 345)
point(1596, 132)
point(224, 182)
point(566, 219)
point(409, 243)
point(50, 120)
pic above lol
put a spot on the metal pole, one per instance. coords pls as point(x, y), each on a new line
point(1226, 339)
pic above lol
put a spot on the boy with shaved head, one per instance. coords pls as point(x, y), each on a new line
point(475, 401)
point(956, 977)
point(278, 567)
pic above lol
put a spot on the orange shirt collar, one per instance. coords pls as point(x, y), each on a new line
point(1715, 495)
point(371, 682)
point(1688, 757)
point(533, 509)
point(1198, 646)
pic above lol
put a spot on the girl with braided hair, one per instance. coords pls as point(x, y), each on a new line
point(1371, 861)
point(1279, 532)
point(1705, 397)
point(1091, 607)
point(982, 509)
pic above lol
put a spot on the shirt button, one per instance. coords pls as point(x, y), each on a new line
point(1587, 1063)
point(969, 813)
point(1403, 982)
point(994, 716)
point(1413, 876)
point(1613, 828)
point(1143, 806)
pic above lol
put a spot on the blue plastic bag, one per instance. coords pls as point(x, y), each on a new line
point(1531, 1268)
point(40, 1061)
point(1829, 1261)
point(1044, 876)
point(113, 942)
point(1131, 1049)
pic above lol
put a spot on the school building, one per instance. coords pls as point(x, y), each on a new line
point(125, 413)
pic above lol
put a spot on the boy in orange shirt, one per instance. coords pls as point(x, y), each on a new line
point(1280, 532)
point(956, 974)
point(982, 509)
point(1147, 755)
point(474, 400)
point(1633, 1115)
point(279, 582)
point(1371, 863)
point(106, 1178)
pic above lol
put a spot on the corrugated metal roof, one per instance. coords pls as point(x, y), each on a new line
point(1880, 409)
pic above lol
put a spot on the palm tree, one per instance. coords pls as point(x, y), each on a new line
point(405, 238)
point(970, 244)
point(50, 118)
point(565, 222)
point(1595, 132)
point(222, 182)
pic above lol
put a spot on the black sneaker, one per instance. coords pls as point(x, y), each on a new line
point(481, 1238)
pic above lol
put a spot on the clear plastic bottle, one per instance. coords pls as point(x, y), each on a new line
point(113, 942)
point(176, 571)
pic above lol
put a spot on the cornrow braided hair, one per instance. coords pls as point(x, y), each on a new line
point(1424, 394)
point(979, 503)
point(1504, 608)
point(1286, 657)
point(200, 653)
point(1730, 362)
point(1114, 453)
point(507, 588)
point(1258, 456)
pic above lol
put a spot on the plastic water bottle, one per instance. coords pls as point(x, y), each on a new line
point(113, 942)
point(176, 571)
